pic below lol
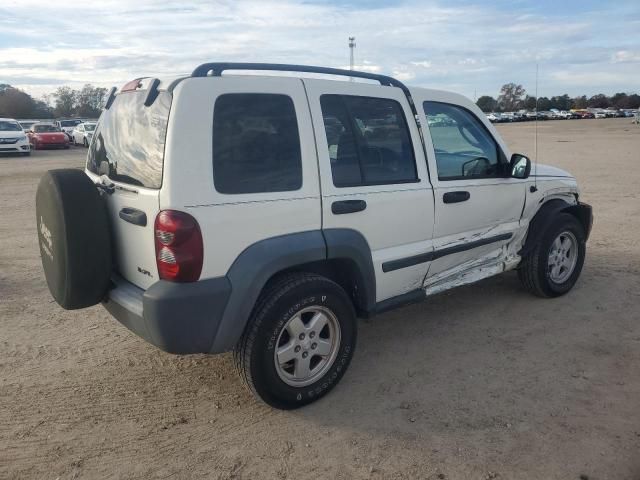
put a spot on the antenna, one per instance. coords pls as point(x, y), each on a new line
point(352, 45)
point(534, 187)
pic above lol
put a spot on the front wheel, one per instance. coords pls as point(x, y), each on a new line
point(554, 265)
point(299, 341)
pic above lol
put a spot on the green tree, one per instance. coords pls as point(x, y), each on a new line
point(510, 97)
point(599, 101)
point(65, 101)
point(15, 103)
point(487, 103)
point(544, 104)
point(561, 102)
point(579, 103)
point(634, 101)
point(529, 103)
point(89, 101)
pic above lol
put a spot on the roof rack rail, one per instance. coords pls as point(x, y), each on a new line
point(216, 68)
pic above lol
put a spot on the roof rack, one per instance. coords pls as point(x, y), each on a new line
point(215, 69)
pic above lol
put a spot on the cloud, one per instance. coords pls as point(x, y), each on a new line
point(463, 45)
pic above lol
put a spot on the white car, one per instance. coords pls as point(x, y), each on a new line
point(600, 115)
point(83, 133)
point(265, 214)
point(13, 138)
point(67, 126)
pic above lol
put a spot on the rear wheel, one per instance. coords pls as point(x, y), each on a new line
point(554, 265)
point(299, 341)
point(85, 143)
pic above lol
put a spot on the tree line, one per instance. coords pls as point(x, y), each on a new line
point(63, 102)
point(514, 97)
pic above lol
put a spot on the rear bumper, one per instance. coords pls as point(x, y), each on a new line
point(175, 317)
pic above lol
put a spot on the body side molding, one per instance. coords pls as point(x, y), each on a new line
point(392, 265)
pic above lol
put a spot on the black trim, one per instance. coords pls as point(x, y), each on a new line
point(342, 207)
point(456, 197)
point(407, 262)
point(414, 296)
point(133, 215)
point(152, 93)
point(546, 215)
point(430, 256)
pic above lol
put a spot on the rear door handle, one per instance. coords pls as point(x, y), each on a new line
point(456, 197)
point(348, 206)
point(133, 215)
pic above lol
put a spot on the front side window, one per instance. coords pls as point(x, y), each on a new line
point(464, 148)
point(369, 141)
point(256, 145)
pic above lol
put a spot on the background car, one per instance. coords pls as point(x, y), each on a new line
point(13, 138)
point(27, 124)
point(83, 133)
point(67, 125)
point(47, 135)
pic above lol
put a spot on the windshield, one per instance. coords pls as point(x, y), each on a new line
point(89, 127)
point(45, 128)
point(69, 123)
point(128, 143)
point(6, 126)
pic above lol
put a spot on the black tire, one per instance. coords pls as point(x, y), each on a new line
point(74, 238)
point(533, 271)
point(255, 353)
point(85, 143)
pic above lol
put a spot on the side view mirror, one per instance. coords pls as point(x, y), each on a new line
point(519, 166)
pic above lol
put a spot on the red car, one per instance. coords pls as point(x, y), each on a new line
point(45, 135)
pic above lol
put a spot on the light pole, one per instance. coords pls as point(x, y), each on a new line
point(352, 45)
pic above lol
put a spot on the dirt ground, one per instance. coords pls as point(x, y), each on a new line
point(482, 382)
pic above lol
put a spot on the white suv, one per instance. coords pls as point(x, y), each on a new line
point(263, 214)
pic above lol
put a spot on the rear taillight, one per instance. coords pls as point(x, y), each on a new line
point(179, 251)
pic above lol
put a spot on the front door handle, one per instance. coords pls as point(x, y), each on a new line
point(348, 206)
point(133, 215)
point(456, 197)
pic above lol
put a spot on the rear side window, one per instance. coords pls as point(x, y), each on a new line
point(369, 141)
point(129, 140)
point(256, 145)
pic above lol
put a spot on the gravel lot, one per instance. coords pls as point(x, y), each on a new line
point(481, 382)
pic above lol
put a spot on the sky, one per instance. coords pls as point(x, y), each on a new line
point(470, 47)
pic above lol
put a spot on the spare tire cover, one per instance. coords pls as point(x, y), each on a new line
point(74, 238)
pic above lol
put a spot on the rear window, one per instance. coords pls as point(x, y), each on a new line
point(128, 143)
point(256, 146)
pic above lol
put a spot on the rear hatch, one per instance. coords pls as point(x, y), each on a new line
point(127, 155)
